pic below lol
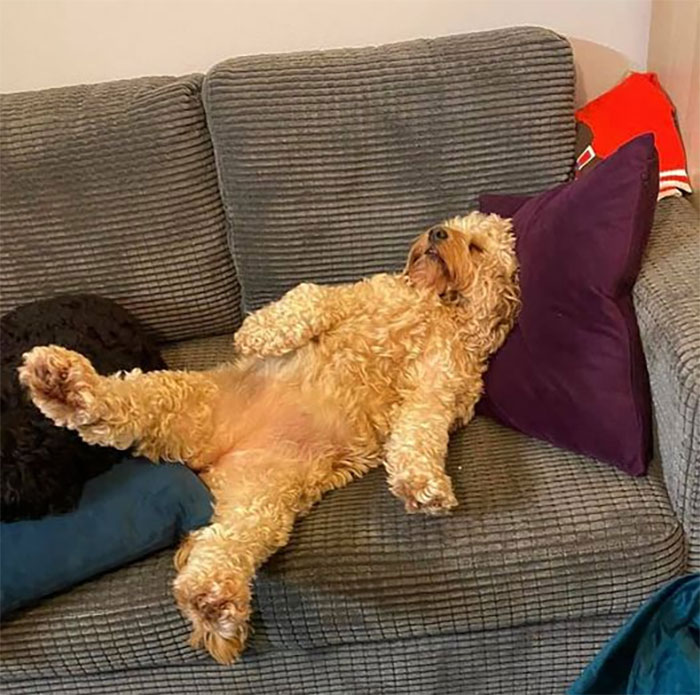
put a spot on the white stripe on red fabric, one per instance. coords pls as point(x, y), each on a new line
point(674, 183)
point(673, 172)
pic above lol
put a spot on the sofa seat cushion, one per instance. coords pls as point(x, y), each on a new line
point(528, 660)
point(540, 535)
point(201, 353)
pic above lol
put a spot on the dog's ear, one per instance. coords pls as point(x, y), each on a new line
point(503, 242)
point(507, 312)
point(509, 293)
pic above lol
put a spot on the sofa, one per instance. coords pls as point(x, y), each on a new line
point(193, 200)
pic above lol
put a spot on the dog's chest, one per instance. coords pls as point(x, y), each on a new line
point(377, 343)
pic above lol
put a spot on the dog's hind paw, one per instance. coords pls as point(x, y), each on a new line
point(62, 384)
point(421, 492)
point(219, 612)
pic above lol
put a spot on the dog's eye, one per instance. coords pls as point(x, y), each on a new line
point(474, 247)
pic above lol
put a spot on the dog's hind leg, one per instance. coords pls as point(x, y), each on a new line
point(259, 494)
point(164, 415)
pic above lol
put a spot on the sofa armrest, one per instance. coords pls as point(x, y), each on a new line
point(667, 302)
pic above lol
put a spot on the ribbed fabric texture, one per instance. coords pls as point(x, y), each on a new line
point(112, 189)
point(667, 302)
point(532, 660)
point(331, 162)
point(201, 353)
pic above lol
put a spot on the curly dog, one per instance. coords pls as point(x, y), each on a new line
point(328, 381)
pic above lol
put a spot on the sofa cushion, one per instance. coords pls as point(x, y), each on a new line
point(331, 162)
point(572, 370)
point(530, 659)
point(124, 514)
point(111, 189)
point(540, 535)
point(200, 353)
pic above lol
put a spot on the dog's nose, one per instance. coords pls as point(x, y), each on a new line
point(436, 235)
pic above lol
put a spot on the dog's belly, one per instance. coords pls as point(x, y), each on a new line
point(261, 410)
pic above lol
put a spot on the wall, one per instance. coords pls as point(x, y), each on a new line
point(45, 43)
point(674, 53)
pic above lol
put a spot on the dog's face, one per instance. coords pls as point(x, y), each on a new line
point(460, 257)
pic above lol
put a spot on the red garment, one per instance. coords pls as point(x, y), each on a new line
point(635, 106)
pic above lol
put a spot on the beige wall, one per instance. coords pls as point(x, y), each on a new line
point(45, 43)
point(674, 53)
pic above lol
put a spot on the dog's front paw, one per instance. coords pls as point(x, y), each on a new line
point(421, 492)
point(254, 340)
point(62, 383)
point(248, 342)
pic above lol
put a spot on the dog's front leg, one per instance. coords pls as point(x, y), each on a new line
point(289, 323)
point(416, 450)
point(433, 398)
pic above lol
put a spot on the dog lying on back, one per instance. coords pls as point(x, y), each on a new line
point(43, 468)
point(328, 381)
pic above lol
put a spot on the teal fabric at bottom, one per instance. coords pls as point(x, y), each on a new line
point(656, 652)
point(133, 509)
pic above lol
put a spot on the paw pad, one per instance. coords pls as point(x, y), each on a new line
point(430, 494)
point(61, 384)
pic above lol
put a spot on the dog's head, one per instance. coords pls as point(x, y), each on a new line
point(453, 257)
point(468, 261)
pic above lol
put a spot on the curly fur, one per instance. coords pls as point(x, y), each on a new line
point(43, 468)
point(329, 380)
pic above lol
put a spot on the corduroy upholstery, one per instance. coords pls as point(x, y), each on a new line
point(533, 660)
point(112, 189)
point(331, 162)
point(200, 353)
point(667, 302)
point(548, 552)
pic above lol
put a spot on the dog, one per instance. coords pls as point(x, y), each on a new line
point(43, 468)
point(326, 382)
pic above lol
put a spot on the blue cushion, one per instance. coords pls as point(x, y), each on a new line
point(132, 510)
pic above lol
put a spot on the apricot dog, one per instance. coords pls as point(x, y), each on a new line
point(327, 382)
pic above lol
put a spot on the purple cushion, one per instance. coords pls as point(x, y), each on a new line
point(572, 372)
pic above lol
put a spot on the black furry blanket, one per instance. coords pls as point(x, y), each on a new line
point(43, 467)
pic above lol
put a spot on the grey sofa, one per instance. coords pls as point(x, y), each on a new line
point(194, 199)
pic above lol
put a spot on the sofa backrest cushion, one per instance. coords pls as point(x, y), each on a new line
point(331, 162)
point(111, 189)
